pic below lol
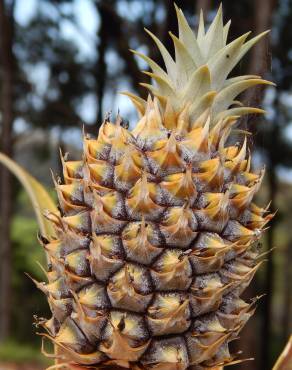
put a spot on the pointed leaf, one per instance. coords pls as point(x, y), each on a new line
point(285, 360)
point(201, 29)
point(226, 31)
point(153, 65)
point(198, 85)
point(249, 44)
point(38, 195)
point(168, 61)
point(222, 63)
point(198, 107)
point(139, 103)
point(163, 86)
point(214, 38)
point(232, 80)
point(150, 87)
point(185, 64)
point(187, 37)
point(226, 96)
point(238, 112)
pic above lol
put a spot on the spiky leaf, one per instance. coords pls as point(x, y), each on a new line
point(38, 195)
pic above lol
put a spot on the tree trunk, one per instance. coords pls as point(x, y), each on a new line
point(267, 323)
point(6, 37)
point(260, 57)
point(120, 32)
point(287, 326)
point(269, 280)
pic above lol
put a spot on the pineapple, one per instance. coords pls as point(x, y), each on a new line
point(154, 241)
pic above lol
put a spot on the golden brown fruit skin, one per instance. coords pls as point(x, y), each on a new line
point(154, 242)
point(150, 274)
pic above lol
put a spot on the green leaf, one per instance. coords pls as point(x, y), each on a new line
point(38, 195)
point(285, 360)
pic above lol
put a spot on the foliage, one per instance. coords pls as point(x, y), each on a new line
point(21, 353)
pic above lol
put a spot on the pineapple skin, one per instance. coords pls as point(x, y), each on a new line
point(156, 227)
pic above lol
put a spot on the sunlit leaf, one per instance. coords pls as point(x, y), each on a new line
point(38, 195)
point(285, 360)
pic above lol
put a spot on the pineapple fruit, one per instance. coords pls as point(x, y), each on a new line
point(155, 234)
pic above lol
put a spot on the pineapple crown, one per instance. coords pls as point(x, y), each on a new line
point(197, 82)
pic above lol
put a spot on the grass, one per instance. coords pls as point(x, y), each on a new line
point(11, 351)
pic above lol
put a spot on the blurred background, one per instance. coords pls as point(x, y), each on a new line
point(62, 64)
